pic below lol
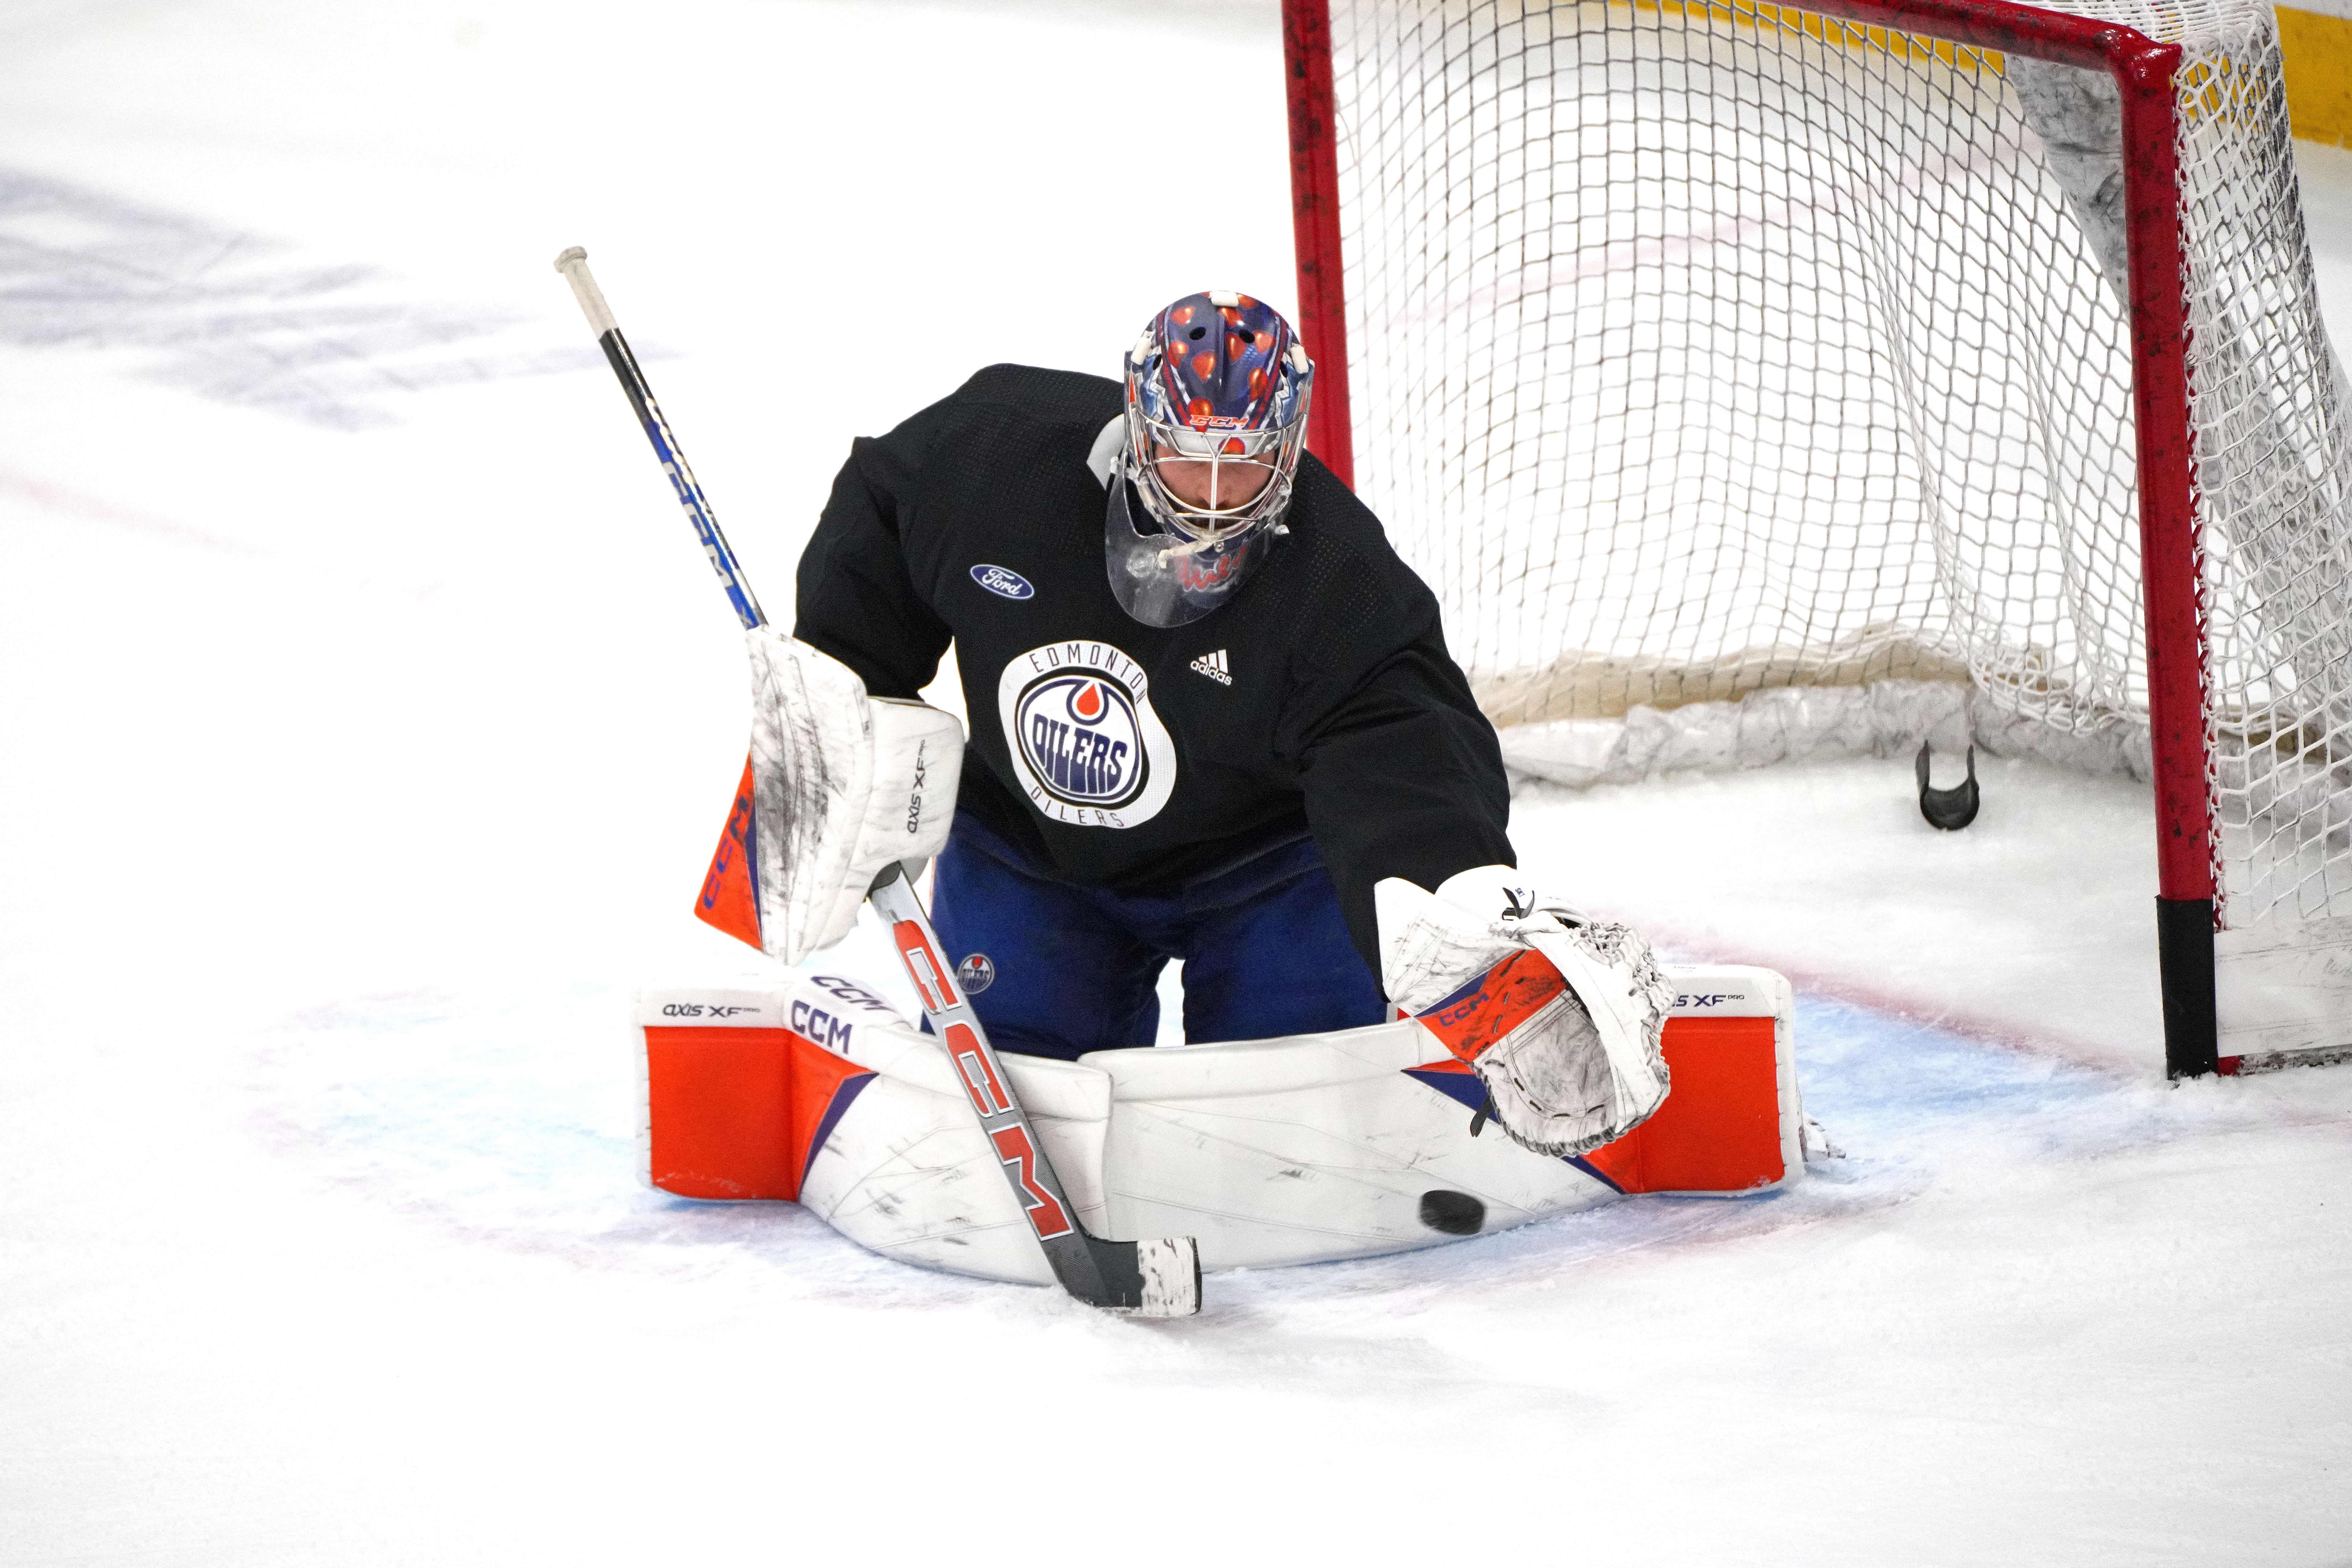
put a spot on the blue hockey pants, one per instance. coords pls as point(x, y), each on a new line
point(1265, 950)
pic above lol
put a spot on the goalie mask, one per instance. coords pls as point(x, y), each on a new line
point(1216, 418)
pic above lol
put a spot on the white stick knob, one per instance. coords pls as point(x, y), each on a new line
point(573, 265)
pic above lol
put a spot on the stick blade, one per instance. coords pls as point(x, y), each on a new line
point(1159, 1278)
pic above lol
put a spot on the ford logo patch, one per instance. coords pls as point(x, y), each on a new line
point(1003, 582)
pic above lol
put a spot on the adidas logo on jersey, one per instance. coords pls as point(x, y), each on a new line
point(1214, 667)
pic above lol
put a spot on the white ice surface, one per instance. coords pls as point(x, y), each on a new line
point(2036, 926)
point(368, 720)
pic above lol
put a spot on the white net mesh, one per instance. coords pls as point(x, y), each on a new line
point(1701, 352)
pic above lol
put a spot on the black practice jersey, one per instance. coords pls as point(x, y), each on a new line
point(1320, 700)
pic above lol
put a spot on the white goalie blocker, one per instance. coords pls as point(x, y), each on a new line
point(843, 785)
point(1296, 1150)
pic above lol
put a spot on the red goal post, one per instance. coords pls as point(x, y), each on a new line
point(2171, 564)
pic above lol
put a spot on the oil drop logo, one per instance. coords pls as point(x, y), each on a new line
point(1078, 721)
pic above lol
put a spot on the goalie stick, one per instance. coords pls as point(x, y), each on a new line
point(573, 265)
point(1159, 1278)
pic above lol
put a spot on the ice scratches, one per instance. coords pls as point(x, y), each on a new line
point(239, 317)
point(511, 1121)
point(1916, 1108)
point(507, 1119)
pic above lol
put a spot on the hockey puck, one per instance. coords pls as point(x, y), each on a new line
point(1451, 1213)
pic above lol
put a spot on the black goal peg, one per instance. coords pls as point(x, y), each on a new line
point(1949, 809)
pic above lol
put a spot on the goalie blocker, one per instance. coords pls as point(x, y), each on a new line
point(839, 786)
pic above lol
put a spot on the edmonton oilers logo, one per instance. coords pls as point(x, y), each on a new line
point(1079, 736)
point(1086, 748)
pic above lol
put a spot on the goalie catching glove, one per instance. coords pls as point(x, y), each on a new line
point(843, 786)
point(1559, 1016)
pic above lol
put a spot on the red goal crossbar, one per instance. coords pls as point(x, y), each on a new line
point(2170, 552)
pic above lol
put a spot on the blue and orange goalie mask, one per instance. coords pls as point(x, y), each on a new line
point(1217, 389)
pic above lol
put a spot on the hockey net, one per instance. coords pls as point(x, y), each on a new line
point(1748, 384)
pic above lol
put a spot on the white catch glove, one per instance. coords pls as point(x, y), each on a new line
point(843, 784)
point(1559, 1016)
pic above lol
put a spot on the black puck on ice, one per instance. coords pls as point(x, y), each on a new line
point(1452, 1213)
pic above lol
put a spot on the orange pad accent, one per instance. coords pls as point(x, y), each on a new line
point(737, 1113)
point(727, 901)
point(1491, 1007)
point(1719, 1129)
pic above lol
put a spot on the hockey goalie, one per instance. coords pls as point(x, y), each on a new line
point(1214, 719)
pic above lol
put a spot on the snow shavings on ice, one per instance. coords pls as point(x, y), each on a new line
point(229, 316)
point(2012, 1252)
